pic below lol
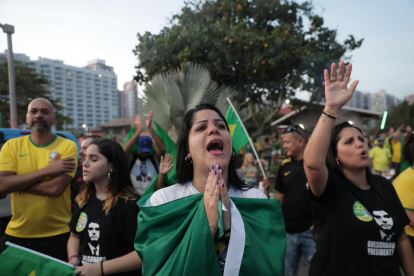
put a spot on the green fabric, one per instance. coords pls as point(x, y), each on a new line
point(18, 262)
point(130, 134)
point(238, 135)
point(174, 238)
point(170, 148)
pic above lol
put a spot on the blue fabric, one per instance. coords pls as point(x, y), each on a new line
point(298, 244)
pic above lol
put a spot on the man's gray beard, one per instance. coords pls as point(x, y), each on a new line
point(40, 128)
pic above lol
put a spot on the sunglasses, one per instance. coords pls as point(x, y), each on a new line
point(292, 129)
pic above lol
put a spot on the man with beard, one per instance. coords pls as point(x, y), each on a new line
point(36, 170)
point(144, 163)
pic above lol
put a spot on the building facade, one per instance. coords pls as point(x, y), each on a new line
point(129, 104)
point(409, 99)
point(382, 101)
point(88, 95)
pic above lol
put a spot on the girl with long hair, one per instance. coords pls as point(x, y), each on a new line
point(104, 220)
point(361, 224)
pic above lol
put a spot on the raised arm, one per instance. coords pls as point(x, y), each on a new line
point(160, 144)
point(337, 95)
point(165, 167)
point(131, 142)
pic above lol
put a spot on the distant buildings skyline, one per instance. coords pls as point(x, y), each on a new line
point(88, 95)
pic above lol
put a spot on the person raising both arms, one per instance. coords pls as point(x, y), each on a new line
point(104, 220)
point(361, 226)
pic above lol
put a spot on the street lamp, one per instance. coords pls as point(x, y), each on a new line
point(85, 127)
point(9, 30)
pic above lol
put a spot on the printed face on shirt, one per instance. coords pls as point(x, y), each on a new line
point(40, 116)
point(383, 219)
point(143, 167)
point(209, 141)
point(352, 151)
point(93, 230)
point(95, 166)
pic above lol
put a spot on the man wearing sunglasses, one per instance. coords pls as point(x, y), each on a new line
point(293, 191)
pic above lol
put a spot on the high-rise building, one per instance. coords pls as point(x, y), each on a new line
point(360, 100)
point(382, 101)
point(409, 98)
point(129, 103)
point(88, 95)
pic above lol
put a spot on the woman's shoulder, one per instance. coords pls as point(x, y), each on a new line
point(170, 193)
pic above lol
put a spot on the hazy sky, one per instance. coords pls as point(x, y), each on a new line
point(81, 30)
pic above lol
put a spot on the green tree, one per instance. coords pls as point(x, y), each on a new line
point(29, 85)
point(402, 114)
point(260, 47)
point(170, 95)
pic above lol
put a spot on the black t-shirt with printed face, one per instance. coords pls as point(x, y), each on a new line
point(297, 205)
point(105, 237)
point(360, 229)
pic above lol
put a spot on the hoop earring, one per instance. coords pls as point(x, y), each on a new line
point(233, 153)
point(188, 161)
point(109, 174)
point(337, 162)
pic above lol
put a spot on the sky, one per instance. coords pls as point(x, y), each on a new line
point(78, 31)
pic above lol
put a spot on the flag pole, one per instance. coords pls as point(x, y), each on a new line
point(248, 137)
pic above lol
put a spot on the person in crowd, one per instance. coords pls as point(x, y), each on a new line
point(77, 181)
point(380, 156)
point(371, 143)
point(267, 151)
point(206, 164)
point(404, 185)
point(37, 170)
point(104, 221)
point(297, 206)
point(144, 163)
point(396, 150)
point(404, 135)
point(276, 147)
point(361, 225)
point(165, 167)
point(249, 169)
point(382, 134)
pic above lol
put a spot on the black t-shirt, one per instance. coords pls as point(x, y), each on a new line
point(360, 229)
point(105, 237)
point(297, 205)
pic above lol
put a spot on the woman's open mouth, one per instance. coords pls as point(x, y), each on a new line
point(364, 154)
point(215, 147)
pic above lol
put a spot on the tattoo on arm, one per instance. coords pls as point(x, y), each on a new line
point(323, 118)
point(213, 229)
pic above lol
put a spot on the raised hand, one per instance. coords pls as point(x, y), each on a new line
point(211, 199)
point(336, 92)
point(165, 164)
point(149, 120)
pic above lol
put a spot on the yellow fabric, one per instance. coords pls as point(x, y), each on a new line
point(380, 158)
point(396, 151)
point(35, 216)
point(404, 185)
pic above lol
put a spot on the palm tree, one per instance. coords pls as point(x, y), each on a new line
point(170, 95)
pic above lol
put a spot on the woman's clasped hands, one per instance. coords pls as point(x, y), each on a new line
point(215, 190)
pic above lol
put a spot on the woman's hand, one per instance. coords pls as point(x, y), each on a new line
point(336, 92)
point(225, 199)
point(165, 164)
point(211, 199)
point(89, 270)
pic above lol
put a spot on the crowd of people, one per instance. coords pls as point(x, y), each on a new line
point(347, 198)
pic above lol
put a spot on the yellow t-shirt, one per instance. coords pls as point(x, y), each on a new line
point(35, 216)
point(380, 158)
point(404, 185)
point(396, 151)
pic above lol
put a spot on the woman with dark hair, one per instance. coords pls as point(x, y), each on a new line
point(207, 179)
point(404, 185)
point(361, 224)
point(104, 219)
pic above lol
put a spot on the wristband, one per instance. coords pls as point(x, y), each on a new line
point(73, 255)
point(102, 269)
point(227, 231)
point(330, 115)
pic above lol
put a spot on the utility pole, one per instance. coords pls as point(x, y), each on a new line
point(9, 30)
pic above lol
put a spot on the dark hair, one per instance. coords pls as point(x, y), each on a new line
point(266, 139)
point(185, 172)
point(408, 150)
point(93, 137)
point(120, 185)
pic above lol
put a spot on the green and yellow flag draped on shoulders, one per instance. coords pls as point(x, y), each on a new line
point(174, 238)
point(20, 261)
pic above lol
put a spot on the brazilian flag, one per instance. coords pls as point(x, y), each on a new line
point(238, 135)
point(174, 238)
point(20, 261)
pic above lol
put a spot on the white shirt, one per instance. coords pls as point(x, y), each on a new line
point(179, 191)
